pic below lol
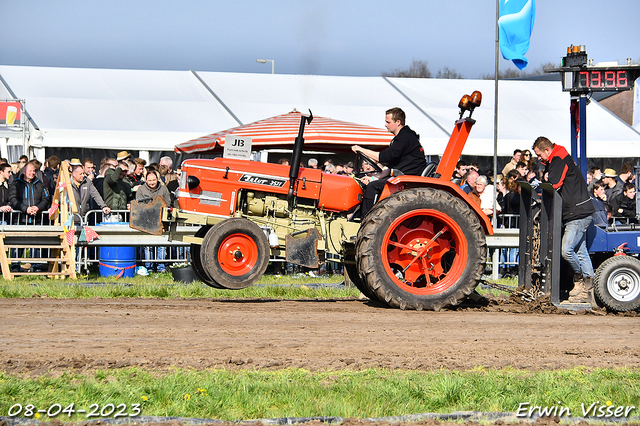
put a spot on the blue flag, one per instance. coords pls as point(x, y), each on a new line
point(515, 25)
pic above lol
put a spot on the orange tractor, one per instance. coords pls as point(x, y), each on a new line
point(422, 246)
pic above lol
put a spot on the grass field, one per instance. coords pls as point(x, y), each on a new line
point(163, 286)
point(234, 395)
point(251, 394)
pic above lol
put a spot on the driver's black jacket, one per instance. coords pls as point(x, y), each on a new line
point(405, 153)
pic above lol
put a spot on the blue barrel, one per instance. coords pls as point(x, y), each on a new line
point(116, 260)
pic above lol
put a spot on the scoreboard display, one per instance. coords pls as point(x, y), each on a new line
point(579, 77)
point(593, 79)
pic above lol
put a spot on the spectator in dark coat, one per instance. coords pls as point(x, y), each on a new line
point(29, 195)
point(116, 191)
point(624, 205)
point(5, 207)
point(51, 171)
point(106, 164)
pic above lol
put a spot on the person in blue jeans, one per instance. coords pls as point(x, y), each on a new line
point(577, 214)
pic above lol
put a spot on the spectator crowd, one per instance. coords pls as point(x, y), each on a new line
point(612, 194)
point(27, 187)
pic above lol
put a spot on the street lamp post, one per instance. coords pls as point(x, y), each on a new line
point(273, 64)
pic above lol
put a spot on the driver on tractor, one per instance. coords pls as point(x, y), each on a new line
point(404, 154)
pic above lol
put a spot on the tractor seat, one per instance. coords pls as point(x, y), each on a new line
point(430, 169)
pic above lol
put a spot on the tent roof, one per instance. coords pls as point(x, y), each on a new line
point(105, 108)
point(156, 110)
point(282, 130)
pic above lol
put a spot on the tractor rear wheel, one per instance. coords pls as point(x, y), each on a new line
point(421, 248)
point(235, 253)
point(617, 283)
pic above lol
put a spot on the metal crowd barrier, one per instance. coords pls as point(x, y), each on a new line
point(118, 233)
point(503, 245)
point(114, 230)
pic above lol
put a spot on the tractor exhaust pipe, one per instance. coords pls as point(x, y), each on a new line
point(296, 155)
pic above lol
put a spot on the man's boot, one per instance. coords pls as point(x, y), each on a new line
point(586, 293)
point(578, 284)
point(588, 288)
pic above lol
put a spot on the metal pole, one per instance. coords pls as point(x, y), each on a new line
point(494, 219)
point(583, 135)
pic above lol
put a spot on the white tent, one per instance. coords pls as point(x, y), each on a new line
point(526, 110)
point(155, 110)
point(116, 109)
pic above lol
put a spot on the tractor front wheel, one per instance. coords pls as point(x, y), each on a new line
point(421, 248)
point(197, 260)
point(235, 253)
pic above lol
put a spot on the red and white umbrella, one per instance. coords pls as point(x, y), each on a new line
point(282, 130)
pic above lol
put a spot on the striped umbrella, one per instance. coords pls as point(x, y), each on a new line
point(282, 130)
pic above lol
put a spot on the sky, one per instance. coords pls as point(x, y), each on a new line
point(322, 37)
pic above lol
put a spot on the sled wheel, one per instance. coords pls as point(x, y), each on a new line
point(196, 259)
point(351, 277)
point(235, 253)
point(421, 248)
point(617, 283)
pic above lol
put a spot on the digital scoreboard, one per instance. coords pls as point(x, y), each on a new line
point(578, 77)
point(595, 79)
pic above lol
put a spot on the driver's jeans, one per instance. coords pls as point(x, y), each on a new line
point(371, 194)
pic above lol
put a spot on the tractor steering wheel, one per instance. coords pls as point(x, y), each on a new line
point(365, 166)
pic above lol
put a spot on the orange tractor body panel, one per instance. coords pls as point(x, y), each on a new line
point(222, 179)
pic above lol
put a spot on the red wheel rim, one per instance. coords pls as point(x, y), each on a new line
point(238, 254)
point(424, 252)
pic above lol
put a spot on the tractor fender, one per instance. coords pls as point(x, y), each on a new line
point(399, 183)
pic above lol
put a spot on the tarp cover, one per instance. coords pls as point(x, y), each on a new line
point(281, 132)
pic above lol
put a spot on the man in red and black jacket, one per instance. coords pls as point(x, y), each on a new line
point(577, 214)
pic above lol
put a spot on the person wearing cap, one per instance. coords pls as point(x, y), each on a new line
point(116, 191)
point(612, 186)
point(577, 215)
point(74, 162)
point(122, 155)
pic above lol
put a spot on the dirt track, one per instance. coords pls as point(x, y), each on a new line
point(41, 334)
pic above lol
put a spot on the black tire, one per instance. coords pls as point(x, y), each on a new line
point(352, 278)
point(197, 262)
point(235, 253)
point(617, 283)
point(444, 227)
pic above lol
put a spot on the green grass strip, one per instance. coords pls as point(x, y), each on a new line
point(163, 286)
point(245, 394)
